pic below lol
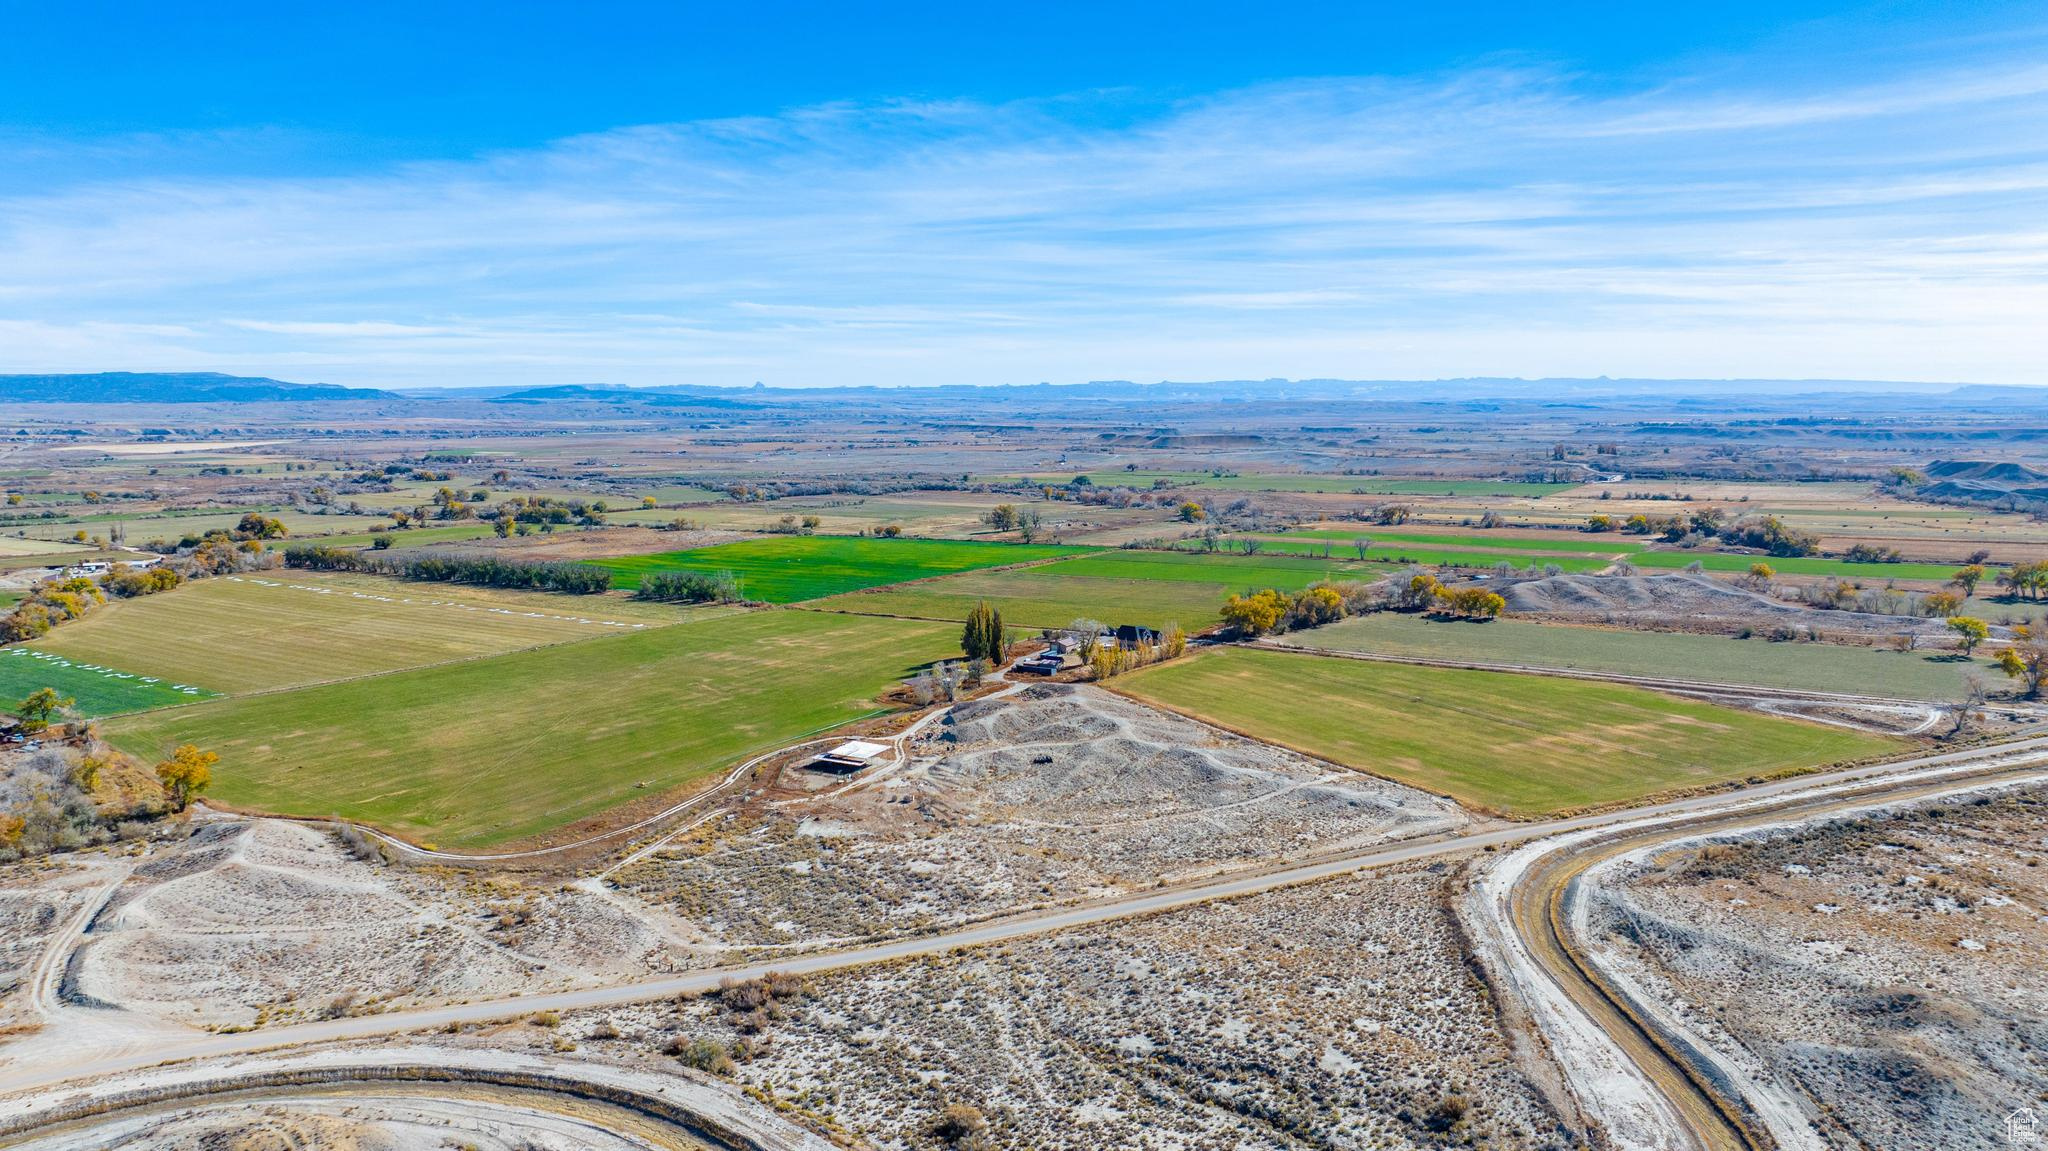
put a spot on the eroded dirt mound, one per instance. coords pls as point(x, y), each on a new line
point(273, 921)
point(1685, 599)
point(1054, 794)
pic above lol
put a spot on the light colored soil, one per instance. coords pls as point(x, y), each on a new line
point(1883, 972)
point(249, 923)
point(35, 902)
point(1340, 1015)
point(372, 1120)
point(1056, 794)
point(602, 542)
point(1691, 602)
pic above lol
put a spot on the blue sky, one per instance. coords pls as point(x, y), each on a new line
point(427, 194)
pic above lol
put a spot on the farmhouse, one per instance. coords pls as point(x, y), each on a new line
point(850, 756)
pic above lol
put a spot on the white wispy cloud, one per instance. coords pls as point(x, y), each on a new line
point(1496, 221)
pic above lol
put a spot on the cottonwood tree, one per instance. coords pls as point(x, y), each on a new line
point(1421, 591)
point(1965, 709)
point(41, 706)
point(1257, 613)
point(1970, 631)
point(188, 772)
point(2026, 661)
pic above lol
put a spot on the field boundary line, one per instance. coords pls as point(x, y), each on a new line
point(1652, 799)
point(1687, 686)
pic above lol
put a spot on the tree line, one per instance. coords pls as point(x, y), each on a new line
point(487, 571)
point(1271, 610)
point(690, 587)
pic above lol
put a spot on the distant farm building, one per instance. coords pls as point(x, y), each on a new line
point(850, 756)
point(1130, 636)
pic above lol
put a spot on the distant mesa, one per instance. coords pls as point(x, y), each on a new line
point(170, 388)
point(653, 397)
point(1176, 440)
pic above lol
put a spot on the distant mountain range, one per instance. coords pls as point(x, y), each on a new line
point(169, 388)
point(1707, 395)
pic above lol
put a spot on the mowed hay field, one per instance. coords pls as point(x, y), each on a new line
point(1113, 587)
point(788, 569)
point(265, 630)
point(1667, 655)
point(477, 753)
point(1519, 745)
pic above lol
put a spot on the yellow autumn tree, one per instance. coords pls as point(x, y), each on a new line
point(187, 773)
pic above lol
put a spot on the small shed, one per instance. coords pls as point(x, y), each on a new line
point(850, 756)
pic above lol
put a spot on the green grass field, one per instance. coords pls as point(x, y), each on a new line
point(1521, 745)
point(1113, 587)
point(260, 631)
point(1234, 572)
point(478, 753)
point(97, 690)
point(1407, 553)
point(1715, 659)
point(789, 569)
point(16, 546)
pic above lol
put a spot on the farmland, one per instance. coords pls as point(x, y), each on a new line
point(1233, 572)
point(96, 690)
point(1715, 659)
point(1114, 587)
point(1539, 541)
point(411, 537)
point(481, 752)
point(1435, 556)
point(1799, 565)
point(263, 631)
point(17, 546)
point(1308, 482)
point(1524, 746)
point(1575, 552)
point(789, 569)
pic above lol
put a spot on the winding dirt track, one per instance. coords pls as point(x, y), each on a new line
point(1690, 815)
point(1543, 897)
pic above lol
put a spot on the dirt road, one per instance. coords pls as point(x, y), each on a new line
point(1650, 1087)
point(83, 1061)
